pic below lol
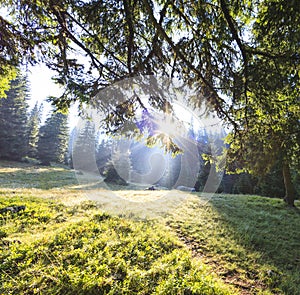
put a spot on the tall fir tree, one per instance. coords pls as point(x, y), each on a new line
point(53, 139)
point(33, 130)
point(103, 155)
point(13, 120)
point(72, 138)
point(84, 147)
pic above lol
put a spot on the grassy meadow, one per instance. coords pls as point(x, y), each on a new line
point(66, 243)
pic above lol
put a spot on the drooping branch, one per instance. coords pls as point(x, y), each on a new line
point(234, 32)
point(95, 37)
point(130, 37)
point(95, 61)
point(175, 47)
point(178, 51)
point(10, 37)
point(155, 38)
point(241, 46)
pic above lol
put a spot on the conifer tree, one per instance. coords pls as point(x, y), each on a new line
point(72, 138)
point(33, 130)
point(120, 166)
point(103, 155)
point(84, 147)
point(13, 120)
point(53, 139)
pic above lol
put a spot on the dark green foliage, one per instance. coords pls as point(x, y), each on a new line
point(228, 182)
point(247, 51)
point(13, 120)
point(118, 170)
point(33, 130)
point(210, 147)
point(103, 155)
point(244, 184)
point(137, 38)
point(271, 184)
point(202, 176)
point(112, 175)
point(267, 113)
point(53, 139)
point(296, 181)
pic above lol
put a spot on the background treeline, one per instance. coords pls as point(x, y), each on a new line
point(23, 137)
point(121, 161)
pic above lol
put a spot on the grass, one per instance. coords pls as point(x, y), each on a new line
point(252, 242)
point(56, 246)
point(63, 243)
point(22, 175)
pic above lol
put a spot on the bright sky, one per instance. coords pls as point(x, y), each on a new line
point(42, 87)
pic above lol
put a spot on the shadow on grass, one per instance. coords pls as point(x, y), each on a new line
point(268, 228)
point(251, 242)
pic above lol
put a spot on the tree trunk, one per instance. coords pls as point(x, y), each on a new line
point(290, 191)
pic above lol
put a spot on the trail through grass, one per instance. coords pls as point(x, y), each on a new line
point(252, 242)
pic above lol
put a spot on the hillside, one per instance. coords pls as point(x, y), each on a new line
point(63, 243)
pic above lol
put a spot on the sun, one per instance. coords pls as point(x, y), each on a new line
point(170, 126)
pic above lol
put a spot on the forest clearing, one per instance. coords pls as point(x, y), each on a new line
point(149, 147)
point(64, 243)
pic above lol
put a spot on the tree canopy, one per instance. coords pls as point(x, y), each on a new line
point(212, 42)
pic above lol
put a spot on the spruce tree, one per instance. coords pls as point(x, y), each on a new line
point(13, 120)
point(53, 139)
point(103, 155)
point(119, 168)
point(33, 130)
point(72, 139)
point(84, 147)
